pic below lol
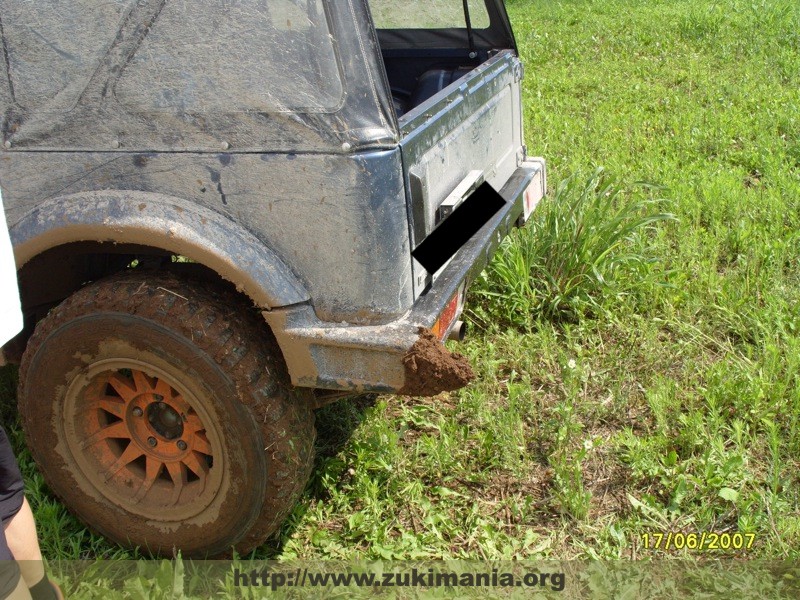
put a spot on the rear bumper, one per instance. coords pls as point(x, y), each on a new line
point(370, 358)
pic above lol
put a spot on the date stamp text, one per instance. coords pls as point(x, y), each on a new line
point(698, 541)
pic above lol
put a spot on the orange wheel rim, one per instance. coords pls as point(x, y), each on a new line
point(142, 440)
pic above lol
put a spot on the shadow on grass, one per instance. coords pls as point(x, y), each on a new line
point(335, 425)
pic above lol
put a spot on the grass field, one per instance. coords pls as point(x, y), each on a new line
point(637, 346)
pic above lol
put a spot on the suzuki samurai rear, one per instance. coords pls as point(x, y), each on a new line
point(224, 215)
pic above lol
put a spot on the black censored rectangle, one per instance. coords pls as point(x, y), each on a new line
point(455, 230)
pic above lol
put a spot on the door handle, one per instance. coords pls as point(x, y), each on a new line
point(460, 193)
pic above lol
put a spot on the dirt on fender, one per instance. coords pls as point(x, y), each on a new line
point(431, 368)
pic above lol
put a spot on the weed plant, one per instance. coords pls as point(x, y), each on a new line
point(586, 240)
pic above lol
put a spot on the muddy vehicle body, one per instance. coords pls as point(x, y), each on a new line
point(210, 243)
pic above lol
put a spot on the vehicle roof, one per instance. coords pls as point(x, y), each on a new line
point(80, 53)
point(105, 75)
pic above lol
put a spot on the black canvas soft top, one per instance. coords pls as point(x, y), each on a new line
point(165, 76)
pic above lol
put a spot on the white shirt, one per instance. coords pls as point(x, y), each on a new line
point(10, 311)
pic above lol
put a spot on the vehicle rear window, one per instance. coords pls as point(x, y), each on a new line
point(207, 56)
point(427, 14)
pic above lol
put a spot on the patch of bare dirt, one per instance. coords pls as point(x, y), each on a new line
point(609, 482)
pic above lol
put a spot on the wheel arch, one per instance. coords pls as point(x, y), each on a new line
point(114, 223)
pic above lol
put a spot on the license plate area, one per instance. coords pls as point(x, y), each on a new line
point(454, 231)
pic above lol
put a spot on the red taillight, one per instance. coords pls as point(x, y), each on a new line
point(450, 313)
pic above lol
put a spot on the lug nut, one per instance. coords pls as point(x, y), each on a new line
point(181, 445)
point(158, 397)
point(152, 441)
point(137, 412)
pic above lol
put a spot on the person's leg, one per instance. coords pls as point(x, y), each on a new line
point(24, 544)
point(21, 592)
point(19, 537)
point(12, 585)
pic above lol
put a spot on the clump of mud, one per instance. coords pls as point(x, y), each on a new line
point(431, 368)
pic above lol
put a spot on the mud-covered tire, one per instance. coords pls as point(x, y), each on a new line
point(160, 411)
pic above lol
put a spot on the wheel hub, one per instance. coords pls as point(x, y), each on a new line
point(142, 440)
point(157, 426)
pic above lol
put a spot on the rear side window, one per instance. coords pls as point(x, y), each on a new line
point(427, 14)
point(208, 56)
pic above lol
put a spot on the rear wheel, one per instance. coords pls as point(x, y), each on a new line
point(159, 410)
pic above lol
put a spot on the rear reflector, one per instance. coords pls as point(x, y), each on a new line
point(449, 315)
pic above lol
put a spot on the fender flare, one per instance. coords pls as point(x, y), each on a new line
point(163, 222)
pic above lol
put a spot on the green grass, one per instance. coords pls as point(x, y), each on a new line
point(586, 242)
point(636, 372)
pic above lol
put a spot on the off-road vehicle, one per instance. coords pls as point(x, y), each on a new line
point(224, 214)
